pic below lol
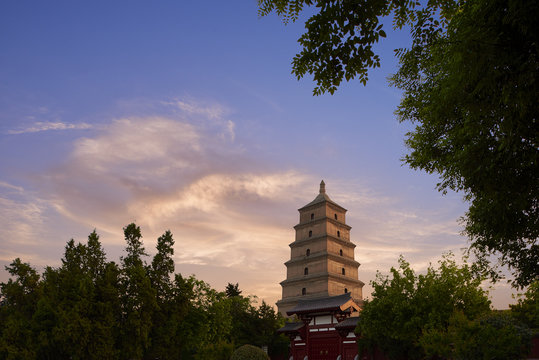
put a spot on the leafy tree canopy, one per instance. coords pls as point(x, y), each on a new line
point(90, 308)
point(405, 306)
point(249, 352)
point(232, 290)
point(495, 336)
point(470, 87)
point(527, 308)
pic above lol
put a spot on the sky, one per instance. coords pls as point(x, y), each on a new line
point(184, 115)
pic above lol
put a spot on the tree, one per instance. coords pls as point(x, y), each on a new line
point(137, 297)
point(18, 301)
point(406, 306)
point(207, 324)
point(494, 336)
point(89, 308)
point(470, 86)
point(526, 309)
point(232, 290)
point(165, 316)
point(249, 352)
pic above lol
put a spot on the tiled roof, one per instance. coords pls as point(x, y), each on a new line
point(349, 323)
point(291, 326)
point(329, 303)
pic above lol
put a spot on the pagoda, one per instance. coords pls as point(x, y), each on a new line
point(322, 260)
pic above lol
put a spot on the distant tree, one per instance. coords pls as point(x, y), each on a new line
point(232, 290)
point(179, 307)
point(89, 308)
point(252, 325)
point(73, 301)
point(95, 261)
point(268, 322)
point(406, 306)
point(137, 297)
point(165, 316)
point(207, 322)
point(470, 83)
point(77, 315)
point(18, 302)
point(104, 310)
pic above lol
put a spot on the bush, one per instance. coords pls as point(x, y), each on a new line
point(249, 352)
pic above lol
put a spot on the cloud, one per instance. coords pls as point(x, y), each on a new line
point(23, 224)
point(49, 125)
point(211, 111)
point(179, 167)
point(11, 187)
point(202, 111)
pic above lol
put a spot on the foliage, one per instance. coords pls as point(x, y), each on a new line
point(219, 351)
point(19, 297)
point(232, 290)
point(138, 297)
point(473, 93)
point(338, 43)
point(249, 352)
point(470, 86)
point(495, 336)
point(406, 306)
point(526, 309)
point(90, 308)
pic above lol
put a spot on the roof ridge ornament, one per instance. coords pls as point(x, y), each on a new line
point(322, 187)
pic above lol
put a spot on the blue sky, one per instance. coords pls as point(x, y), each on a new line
point(185, 116)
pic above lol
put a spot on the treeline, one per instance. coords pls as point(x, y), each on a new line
point(91, 308)
point(444, 314)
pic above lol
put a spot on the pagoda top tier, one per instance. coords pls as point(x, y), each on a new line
point(322, 197)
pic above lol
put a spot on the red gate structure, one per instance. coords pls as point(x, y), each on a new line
point(325, 330)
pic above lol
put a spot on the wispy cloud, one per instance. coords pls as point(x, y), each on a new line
point(217, 113)
point(47, 126)
point(11, 187)
point(211, 111)
point(183, 171)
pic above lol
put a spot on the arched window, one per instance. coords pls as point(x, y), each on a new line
point(303, 291)
point(310, 233)
point(343, 271)
point(340, 252)
point(312, 216)
point(345, 290)
point(338, 233)
point(308, 252)
point(306, 271)
point(335, 216)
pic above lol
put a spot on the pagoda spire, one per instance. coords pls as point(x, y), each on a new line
point(322, 187)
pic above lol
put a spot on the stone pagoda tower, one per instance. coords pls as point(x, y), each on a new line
point(322, 256)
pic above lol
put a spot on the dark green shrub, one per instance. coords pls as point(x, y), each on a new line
point(249, 352)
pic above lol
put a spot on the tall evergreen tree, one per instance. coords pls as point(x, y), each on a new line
point(165, 316)
point(18, 299)
point(137, 297)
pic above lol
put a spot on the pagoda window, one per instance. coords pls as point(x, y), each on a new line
point(345, 290)
point(343, 271)
point(308, 252)
point(335, 216)
point(340, 252)
point(312, 216)
point(303, 291)
point(306, 271)
point(338, 233)
point(310, 233)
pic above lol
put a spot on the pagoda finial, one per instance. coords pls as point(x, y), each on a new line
point(322, 187)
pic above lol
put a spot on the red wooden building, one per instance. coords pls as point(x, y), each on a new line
point(325, 330)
